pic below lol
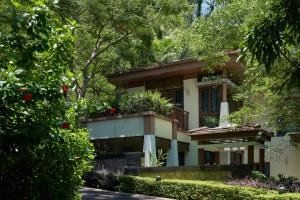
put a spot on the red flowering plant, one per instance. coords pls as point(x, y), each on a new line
point(39, 126)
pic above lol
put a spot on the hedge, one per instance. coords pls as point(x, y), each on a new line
point(198, 190)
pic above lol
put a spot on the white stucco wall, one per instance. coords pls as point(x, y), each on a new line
point(284, 157)
point(224, 157)
point(183, 137)
point(136, 89)
point(191, 101)
point(125, 127)
point(163, 128)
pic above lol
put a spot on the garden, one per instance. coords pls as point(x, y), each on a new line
point(256, 186)
point(56, 55)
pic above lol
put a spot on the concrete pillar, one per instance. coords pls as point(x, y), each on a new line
point(262, 160)
point(245, 156)
point(150, 150)
point(172, 159)
point(224, 112)
point(229, 157)
point(191, 101)
point(191, 157)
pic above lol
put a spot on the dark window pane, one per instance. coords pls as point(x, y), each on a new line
point(179, 97)
point(204, 101)
point(215, 99)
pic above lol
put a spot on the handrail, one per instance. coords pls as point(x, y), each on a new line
point(182, 116)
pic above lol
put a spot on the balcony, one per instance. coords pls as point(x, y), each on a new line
point(137, 124)
point(182, 116)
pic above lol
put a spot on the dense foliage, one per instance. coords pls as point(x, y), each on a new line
point(102, 178)
point(279, 183)
point(43, 151)
point(145, 101)
point(197, 190)
point(275, 39)
point(116, 35)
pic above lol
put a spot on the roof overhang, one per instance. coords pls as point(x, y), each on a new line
point(185, 68)
point(217, 135)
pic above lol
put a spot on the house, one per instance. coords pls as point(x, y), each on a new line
point(197, 134)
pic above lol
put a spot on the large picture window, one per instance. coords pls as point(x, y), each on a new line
point(210, 100)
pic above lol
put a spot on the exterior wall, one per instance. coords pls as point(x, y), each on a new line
point(191, 101)
point(172, 159)
point(183, 137)
point(284, 157)
point(186, 173)
point(136, 89)
point(224, 157)
point(115, 128)
point(163, 128)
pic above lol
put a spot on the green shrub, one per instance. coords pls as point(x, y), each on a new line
point(198, 190)
point(257, 175)
point(102, 178)
point(43, 152)
point(145, 101)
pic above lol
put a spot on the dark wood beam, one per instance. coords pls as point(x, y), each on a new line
point(201, 157)
point(262, 160)
point(251, 155)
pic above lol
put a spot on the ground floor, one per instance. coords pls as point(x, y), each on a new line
point(143, 139)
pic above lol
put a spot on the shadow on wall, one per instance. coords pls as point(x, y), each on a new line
point(217, 173)
point(117, 162)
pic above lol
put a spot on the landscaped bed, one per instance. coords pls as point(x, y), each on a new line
point(200, 190)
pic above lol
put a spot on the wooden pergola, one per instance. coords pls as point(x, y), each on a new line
point(228, 136)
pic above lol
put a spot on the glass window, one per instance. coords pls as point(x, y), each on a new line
point(179, 97)
point(215, 99)
point(204, 106)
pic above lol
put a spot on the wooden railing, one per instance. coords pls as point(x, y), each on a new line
point(182, 116)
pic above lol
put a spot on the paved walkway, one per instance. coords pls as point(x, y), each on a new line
point(98, 194)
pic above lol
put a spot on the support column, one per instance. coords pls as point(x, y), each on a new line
point(217, 157)
point(262, 160)
point(245, 156)
point(191, 157)
point(201, 157)
point(150, 150)
point(172, 159)
point(251, 155)
point(229, 157)
point(224, 112)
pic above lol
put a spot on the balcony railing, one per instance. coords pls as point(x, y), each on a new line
point(182, 116)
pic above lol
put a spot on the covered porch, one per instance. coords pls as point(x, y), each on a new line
point(231, 146)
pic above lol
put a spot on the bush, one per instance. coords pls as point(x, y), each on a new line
point(198, 190)
point(103, 179)
point(43, 152)
point(145, 101)
point(256, 175)
point(260, 180)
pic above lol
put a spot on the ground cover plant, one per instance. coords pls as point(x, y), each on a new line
point(198, 190)
point(259, 180)
point(102, 178)
point(131, 103)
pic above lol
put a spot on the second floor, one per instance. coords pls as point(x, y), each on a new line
point(196, 92)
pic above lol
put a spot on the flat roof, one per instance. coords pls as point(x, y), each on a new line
point(185, 67)
point(230, 133)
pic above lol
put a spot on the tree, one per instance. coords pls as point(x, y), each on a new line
point(43, 151)
point(106, 27)
point(275, 39)
point(224, 30)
